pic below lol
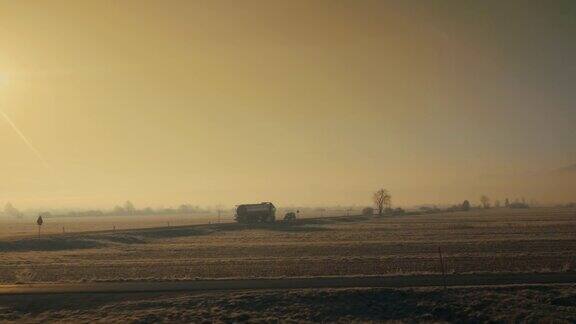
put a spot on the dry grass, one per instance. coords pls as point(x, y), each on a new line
point(533, 304)
point(536, 240)
point(13, 227)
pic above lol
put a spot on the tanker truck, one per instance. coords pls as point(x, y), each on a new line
point(256, 213)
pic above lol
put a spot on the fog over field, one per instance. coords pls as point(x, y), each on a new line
point(288, 161)
point(220, 103)
point(481, 241)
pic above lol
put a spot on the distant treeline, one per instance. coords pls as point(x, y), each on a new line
point(128, 209)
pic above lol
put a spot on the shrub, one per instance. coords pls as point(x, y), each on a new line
point(466, 205)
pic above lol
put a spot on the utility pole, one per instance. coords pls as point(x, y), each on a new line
point(219, 210)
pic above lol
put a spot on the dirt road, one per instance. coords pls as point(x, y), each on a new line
point(290, 283)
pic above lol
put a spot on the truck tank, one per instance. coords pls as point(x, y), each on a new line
point(256, 213)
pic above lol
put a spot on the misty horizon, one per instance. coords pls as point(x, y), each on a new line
point(218, 106)
point(287, 161)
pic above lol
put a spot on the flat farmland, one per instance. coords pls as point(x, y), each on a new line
point(490, 241)
point(22, 227)
point(517, 304)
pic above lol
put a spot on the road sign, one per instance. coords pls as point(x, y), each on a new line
point(39, 221)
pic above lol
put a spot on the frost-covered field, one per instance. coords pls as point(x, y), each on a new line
point(21, 227)
point(503, 240)
point(11, 227)
point(529, 304)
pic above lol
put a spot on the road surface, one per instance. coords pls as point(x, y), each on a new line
point(289, 283)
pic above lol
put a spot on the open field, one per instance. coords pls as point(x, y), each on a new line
point(512, 304)
point(536, 240)
point(400, 281)
point(11, 227)
point(14, 227)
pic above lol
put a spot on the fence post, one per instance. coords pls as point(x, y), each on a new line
point(442, 266)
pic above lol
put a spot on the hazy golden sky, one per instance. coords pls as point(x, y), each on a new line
point(296, 102)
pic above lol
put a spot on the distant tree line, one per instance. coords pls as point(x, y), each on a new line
point(382, 200)
point(518, 203)
point(486, 203)
point(10, 210)
point(127, 209)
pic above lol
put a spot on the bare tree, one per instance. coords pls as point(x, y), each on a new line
point(382, 199)
point(129, 207)
point(118, 210)
point(388, 201)
point(485, 201)
point(10, 210)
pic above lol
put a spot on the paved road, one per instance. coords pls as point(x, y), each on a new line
point(289, 283)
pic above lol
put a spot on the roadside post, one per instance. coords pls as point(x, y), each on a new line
point(442, 266)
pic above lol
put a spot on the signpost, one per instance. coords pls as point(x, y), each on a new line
point(39, 221)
